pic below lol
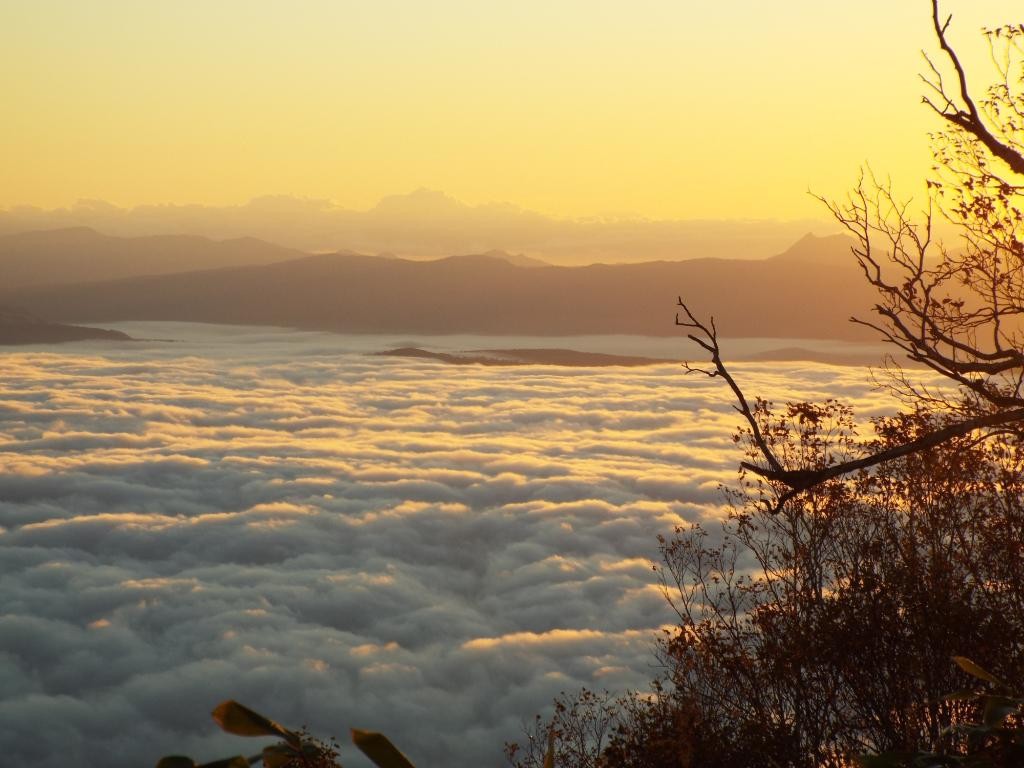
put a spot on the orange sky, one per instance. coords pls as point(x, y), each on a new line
point(662, 108)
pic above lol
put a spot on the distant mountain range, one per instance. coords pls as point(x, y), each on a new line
point(808, 291)
point(430, 224)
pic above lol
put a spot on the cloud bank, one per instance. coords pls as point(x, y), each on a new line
point(336, 539)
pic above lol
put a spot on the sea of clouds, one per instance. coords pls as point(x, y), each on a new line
point(338, 539)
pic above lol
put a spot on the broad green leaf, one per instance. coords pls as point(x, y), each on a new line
point(974, 670)
point(382, 752)
point(242, 721)
point(549, 755)
point(176, 761)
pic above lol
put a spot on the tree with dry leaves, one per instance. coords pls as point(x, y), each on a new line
point(957, 309)
point(821, 619)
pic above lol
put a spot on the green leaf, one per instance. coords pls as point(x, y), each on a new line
point(549, 755)
point(974, 670)
point(382, 752)
point(242, 721)
point(176, 761)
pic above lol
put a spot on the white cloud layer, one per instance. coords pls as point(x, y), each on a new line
point(335, 539)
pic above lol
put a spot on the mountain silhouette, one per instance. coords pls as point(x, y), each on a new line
point(818, 250)
point(777, 297)
point(428, 224)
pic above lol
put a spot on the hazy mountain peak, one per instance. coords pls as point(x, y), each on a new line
point(811, 247)
point(516, 259)
point(513, 259)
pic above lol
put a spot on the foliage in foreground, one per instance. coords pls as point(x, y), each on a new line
point(994, 737)
point(297, 749)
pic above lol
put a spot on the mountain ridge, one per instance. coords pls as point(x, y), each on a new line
point(794, 298)
point(430, 224)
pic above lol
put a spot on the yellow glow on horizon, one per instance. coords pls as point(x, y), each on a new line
point(659, 108)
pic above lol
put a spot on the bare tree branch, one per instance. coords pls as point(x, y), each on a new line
point(969, 118)
point(709, 342)
point(799, 480)
point(959, 312)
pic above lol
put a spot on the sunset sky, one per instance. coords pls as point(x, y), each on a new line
point(668, 109)
point(341, 356)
